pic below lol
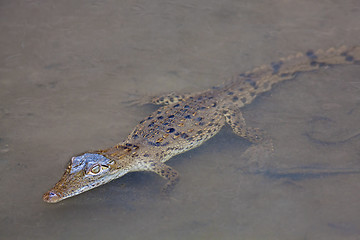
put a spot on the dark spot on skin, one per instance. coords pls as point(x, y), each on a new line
point(161, 99)
point(177, 133)
point(171, 99)
point(323, 64)
point(160, 117)
point(243, 100)
point(241, 89)
point(166, 123)
point(157, 144)
point(187, 117)
point(184, 135)
point(201, 108)
point(209, 131)
point(349, 58)
point(252, 94)
point(311, 55)
point(276, 66)
point(158, 112)
point(230, 93)
point(128, 144)
point(170, 130)
point(171, 116)
point(201, 123)
point(142, 121)
point(149, 118)
point(199, 118)
point(251, 82)
point(199, 132)
point(176, 105)
point(313, 63)
point(186, 106)
point(213, 105)
point(151, 124)
point(146, 155)
point(235, 99)
point(284, 75)
point(200, 98)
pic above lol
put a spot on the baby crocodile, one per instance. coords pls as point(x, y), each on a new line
point(185, 122)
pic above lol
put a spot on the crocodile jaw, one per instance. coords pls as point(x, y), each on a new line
point(79, 178)
point(67, 188)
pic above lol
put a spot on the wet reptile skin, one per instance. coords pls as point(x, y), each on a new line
point(185, 122)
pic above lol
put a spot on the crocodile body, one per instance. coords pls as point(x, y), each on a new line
point(185, 122)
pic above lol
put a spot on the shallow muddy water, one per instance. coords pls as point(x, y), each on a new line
point(68, 69)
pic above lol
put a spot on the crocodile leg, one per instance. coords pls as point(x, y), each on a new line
point(237, 122)
point(257, 154)
point(167, 99)
point(168, 173)
point(164, 99)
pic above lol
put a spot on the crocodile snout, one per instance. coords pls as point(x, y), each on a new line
point(51, 197)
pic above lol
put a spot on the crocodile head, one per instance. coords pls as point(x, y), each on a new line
point(85, 172)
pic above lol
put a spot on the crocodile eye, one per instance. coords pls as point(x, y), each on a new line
point(95, 169)
point(111, 162)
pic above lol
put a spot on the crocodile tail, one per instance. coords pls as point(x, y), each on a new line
point(250, 84)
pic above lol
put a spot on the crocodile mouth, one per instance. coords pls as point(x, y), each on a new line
point(52, 197)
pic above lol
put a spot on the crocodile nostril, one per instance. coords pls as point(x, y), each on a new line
point(51, 197)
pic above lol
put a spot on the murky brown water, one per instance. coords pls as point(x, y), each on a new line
point(67, 67)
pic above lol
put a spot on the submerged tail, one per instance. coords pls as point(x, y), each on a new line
point(247, 86)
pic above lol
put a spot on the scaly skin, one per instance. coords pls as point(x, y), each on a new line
point(185, 122)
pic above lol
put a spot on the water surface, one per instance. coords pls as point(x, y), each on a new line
point(68, 67)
